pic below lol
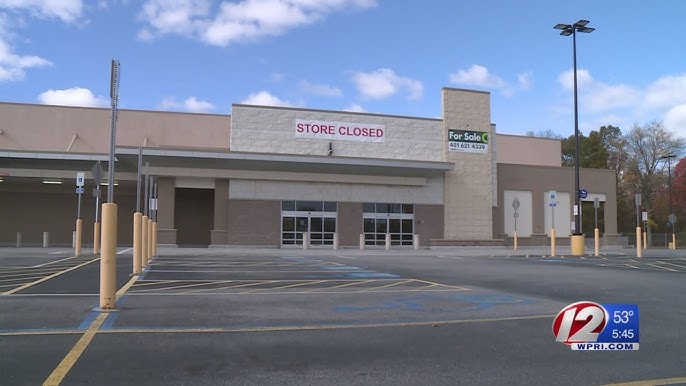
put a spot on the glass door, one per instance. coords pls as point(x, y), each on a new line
point(314, 217)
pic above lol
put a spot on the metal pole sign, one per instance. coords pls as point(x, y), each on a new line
point(97, 173)
point(138, 180)
point(552, 195)
point(637, 201)
point(596, 205)
point(80, 176)
point(515, 206)
point(114, 95)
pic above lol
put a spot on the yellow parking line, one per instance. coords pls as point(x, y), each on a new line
point(70, 359)
point(29, 272)
point(652, 382)
point(53, 262)
point(58, 374)
point(307, 282)
point(126, 287)
point(230, 287)
point(21, 280)
point(385, 286)
point(320, 327)
point(443, 285)
point(27, 285)
point(157, 282)
point(342, 285)
point(676, 265)
point(186, 285)
point(665, 268)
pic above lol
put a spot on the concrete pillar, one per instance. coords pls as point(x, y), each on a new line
point(18, 239)
point(306, 240)
point(388, 241)
point(108, 258)
point(79, 235)
point(96, 238)
point(335, 241)
point(362, 241)
point(578, 245)
point(137, 242)
point(144, 241)
point(415, 241)
point(46, 239)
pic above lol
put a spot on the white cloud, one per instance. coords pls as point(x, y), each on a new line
point(65, 10)
point(263, 98)
point(583, 79)
point(666, 91)
point(603, 97)
point(237, 21)
point(478, 76)
point(13, 66)
point(524, 80)
point(384, 83)
point(191, 104)
point(320, 89)
point(355, 108)
point(621, 104)
point(599, 96)
point(75, 96)
point(181, 17)
point(675, 119)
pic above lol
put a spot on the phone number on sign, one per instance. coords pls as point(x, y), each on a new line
point(468, 147)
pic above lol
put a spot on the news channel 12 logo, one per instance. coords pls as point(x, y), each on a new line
point(589, 326)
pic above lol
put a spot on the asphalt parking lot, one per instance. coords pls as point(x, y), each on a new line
point(224, 316)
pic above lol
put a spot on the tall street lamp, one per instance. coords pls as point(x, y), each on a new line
point(566, 30)
point(672, 217)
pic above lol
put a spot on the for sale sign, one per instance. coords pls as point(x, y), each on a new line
point(467, 141)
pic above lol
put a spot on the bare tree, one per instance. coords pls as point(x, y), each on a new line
point(645, 145)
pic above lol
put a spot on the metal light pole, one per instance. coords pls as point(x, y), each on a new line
point(672, 217)
point(566, 30)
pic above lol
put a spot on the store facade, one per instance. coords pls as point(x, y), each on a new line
point(274, 176)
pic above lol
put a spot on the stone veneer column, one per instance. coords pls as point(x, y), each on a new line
point(468, 188)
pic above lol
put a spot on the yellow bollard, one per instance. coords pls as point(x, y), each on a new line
point(578, 245)
point(96, 238)
point(596, 234)
point(515, 240)
point(108, 257)
point(673, 241)
point(639, 248)
point(154, 238)
point(645, 240)
point(149, 239)
point(79, 233)
point(137, 236)
point(552, 242)
point(144, 241)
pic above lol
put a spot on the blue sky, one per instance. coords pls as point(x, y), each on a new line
point(378, 56)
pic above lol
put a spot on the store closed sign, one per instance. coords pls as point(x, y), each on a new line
point(364, 132)
point(466, 141)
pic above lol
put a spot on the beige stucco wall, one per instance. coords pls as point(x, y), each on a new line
point(52, 128)
point(272, 130)
point(524, 150)
point(468, 188)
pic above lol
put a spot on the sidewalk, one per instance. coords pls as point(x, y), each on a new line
point(464, 251)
